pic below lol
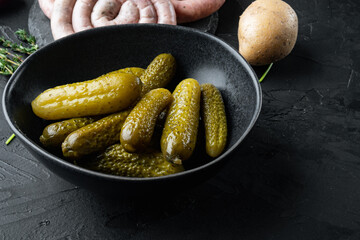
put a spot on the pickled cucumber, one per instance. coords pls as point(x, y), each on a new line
point(134, 70)
point(117, 161)
point(95, 136)
point(159, 73)
point(214, 117)
point(55, 133)
point(109, 93)
point(178, 139)
point(139, 126)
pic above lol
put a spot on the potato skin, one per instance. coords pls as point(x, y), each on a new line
point(267, 31)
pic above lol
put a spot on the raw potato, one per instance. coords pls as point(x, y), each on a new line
point(267, 31)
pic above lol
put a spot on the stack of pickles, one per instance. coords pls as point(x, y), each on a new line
point(115, 118)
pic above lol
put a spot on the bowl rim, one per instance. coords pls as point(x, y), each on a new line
point(63, 163)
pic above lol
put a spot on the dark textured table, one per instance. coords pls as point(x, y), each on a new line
point(296, 176)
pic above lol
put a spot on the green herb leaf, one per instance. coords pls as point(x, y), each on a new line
point(23, 36)
point(10, 61)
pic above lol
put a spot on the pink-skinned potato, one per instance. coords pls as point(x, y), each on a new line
point(267, 31)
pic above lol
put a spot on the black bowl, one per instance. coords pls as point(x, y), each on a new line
point(88, 54)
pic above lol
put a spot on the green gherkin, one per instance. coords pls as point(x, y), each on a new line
point(109, 93)
point(159, 73)
point(94, 137)
point(133, 70)
point(138, 128)
point(117, 161)
point(55, 133)
point(179, 135)
point(214, 116)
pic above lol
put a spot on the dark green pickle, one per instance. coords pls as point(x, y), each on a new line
point(159, 73)
point(138, 128)
point(55, 133)
point(180, 131)
point(214, 118)
point(134, 70)
point(117, 161)
point(94, 137)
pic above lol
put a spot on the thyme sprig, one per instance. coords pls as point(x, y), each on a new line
point(25, 37)
point(9, 60)
point(18, 47)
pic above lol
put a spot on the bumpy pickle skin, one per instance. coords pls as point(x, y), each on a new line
point(214, 118)
point(138, 128)
point(117, 161)
point(179, 135)
point(109, 93)
point(54, 134)
point(159, 72)
point(134, 70)
point(94, 137)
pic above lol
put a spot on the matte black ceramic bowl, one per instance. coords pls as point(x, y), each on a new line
point(89, 54)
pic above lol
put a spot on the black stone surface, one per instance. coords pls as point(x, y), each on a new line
point(296, 176)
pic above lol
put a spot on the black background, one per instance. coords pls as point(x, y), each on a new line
point(296, 175)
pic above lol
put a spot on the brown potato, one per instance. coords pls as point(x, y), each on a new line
point(267, 31)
